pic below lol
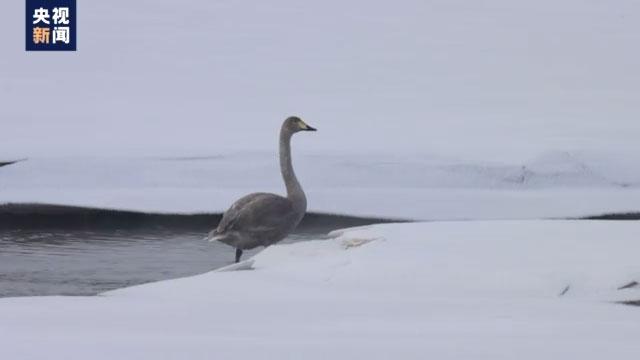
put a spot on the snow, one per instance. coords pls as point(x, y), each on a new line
point(493, 80)
point(427, 187)
point(425, 109)
point(492, 110)
point(449, 290)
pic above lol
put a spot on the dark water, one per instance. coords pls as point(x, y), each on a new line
point(81, 262)
point(47, 250)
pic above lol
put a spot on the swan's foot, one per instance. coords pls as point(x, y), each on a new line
point(241, 266)
point(238, 255)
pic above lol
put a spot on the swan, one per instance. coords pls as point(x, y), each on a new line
point(263, 219)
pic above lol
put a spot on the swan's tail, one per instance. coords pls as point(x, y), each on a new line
point(213, 236)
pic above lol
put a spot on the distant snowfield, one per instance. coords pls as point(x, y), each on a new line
point(530, 107)
point(452, 290)
point(423, 187)
point(495, 79)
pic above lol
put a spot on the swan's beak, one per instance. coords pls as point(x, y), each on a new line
point(305, 127)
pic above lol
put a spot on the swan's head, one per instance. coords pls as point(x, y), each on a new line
point(294, 124)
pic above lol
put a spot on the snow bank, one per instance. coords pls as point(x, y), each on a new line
point(395, 186)
point(444, 290)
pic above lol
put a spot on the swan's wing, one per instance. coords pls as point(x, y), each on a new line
point(257, 213)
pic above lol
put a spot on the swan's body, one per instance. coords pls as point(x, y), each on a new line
point(262, 219)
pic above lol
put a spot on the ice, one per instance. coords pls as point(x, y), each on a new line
point(447, 290)
point(392, 186)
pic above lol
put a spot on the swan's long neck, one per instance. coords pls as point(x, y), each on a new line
point(294, 189)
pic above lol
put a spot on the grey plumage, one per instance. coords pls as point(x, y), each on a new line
point(262, 219)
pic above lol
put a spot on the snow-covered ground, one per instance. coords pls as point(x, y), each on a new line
point(555, 184)
point(492, 79)
point(454, 290)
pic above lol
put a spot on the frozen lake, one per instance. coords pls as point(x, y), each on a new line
point(78, 262)
point(54, 250)
point(53, 254)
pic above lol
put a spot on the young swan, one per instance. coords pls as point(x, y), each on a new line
point(262, 219)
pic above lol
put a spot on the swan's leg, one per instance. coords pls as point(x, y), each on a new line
point(238, 255)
